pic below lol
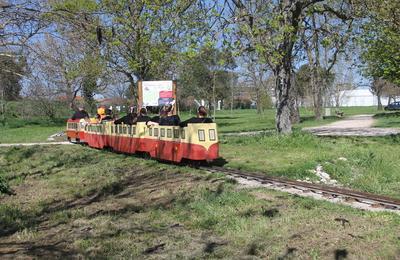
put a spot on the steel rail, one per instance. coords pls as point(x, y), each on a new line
point(335, 192)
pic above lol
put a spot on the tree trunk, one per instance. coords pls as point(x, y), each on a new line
point(282, 118)
point(337, 100)
point(318, 104)
point(258, 100)
point(379, 102)
point(294, 108)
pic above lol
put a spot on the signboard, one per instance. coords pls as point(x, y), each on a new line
point(156, 93)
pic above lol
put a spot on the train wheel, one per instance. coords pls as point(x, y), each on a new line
point(77, 140)
point(69, 139)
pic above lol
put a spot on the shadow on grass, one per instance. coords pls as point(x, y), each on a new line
point(52, 245)
point(312, 118)
point(57, 249)
point(387, 115)
point(226, 117)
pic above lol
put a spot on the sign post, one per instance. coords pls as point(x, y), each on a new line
point(157, 93)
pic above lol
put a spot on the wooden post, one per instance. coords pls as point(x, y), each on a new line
point(140, 95)
point(174, 95)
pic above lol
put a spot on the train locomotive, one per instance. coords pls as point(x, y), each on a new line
point(196, 142)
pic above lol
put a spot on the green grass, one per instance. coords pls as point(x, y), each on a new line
point(368, 164)
point(97, 204)
point(249, 120)
point(38, 130)
point(33, 130)
point(387, 119)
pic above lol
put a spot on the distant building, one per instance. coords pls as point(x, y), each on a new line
point(359, 98)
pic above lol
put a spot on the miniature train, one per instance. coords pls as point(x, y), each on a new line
point(196, 142)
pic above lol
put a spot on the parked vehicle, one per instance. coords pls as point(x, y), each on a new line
point(393, 106)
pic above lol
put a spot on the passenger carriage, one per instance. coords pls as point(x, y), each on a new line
point(171, 143)
point(75, 130)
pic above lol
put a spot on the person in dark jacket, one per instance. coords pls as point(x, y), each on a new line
point(169, 118)
point(142, 117)
point(201, 118)
point(129, 119)
point(81, 113)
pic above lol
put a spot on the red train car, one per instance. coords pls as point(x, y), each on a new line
point(196, 142)
point(76, 130)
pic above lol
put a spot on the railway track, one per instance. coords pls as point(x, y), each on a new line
point(357, 199)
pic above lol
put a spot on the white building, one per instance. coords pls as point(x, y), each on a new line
point(360, 97)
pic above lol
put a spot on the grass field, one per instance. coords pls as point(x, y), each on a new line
point(37, 130)
point(24, 131)
point(367, 164)
point(387, 119)
point(73, 201)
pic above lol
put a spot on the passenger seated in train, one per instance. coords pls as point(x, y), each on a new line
point(104, 114)
point(168, 117)
point(142, 117)
point(80, 114)
point(129, 119)
point(201, 118)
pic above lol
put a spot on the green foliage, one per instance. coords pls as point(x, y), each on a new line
point(303, 80)
point(4, 186)
point(380, 42)
point(200, 70)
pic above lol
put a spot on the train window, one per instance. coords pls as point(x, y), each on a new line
point(202, 136)
point(211, 134)
point(129, 130)
point(155, 132)
point(176, 133)
point(150, 131)
point(133, 130)
point(162, 132)
point(169, 133)
point(124, 129)
point(120, 129)
point(183, 134)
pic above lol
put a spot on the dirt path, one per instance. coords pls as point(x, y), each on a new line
point(358, 125)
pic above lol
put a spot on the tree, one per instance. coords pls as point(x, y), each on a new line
point(206, 75)
point(327, 33)
point(271, 28)
point(11, 72)
point(305, 81)
point(20, 20)
point(67, 67)
point(139, 39)
point(256, 74)
point(380, 41)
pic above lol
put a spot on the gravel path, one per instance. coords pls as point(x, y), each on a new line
point(358, 125)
